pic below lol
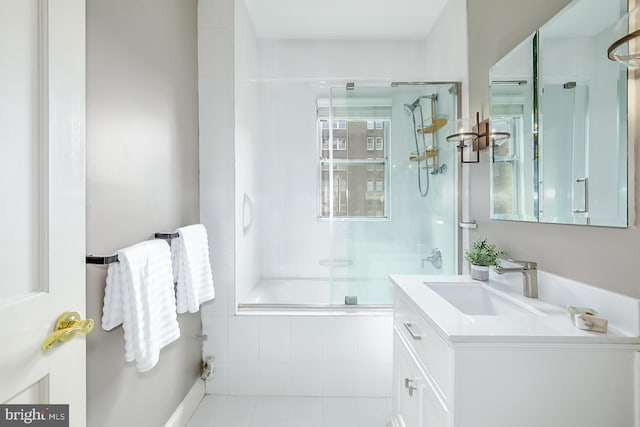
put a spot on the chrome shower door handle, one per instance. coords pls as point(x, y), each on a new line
point(247, 211)
point(586, 195)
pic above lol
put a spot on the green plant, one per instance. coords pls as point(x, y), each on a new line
point(482, 253)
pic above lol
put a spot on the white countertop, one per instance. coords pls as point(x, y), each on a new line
point(550, 325)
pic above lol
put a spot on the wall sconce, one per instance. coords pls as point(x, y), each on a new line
point(626, 47)
point(465, 134)
point(477, 135)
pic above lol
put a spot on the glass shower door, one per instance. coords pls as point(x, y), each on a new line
point(378, 219)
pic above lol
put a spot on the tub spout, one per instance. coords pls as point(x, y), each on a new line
point(529, 270)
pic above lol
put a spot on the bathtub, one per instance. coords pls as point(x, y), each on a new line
point(318, 294)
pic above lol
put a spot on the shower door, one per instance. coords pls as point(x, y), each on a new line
point(372, 203)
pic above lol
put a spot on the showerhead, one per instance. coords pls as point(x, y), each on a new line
point(410, 108)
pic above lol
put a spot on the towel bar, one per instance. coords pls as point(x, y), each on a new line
point(102, 260)
point(166, 236)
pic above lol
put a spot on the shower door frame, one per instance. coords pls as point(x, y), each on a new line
point(264, 308)
point(458, 166)
point(353, 86)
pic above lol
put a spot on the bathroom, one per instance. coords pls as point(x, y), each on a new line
point(176, 93)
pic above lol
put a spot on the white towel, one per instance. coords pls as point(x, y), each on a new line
point(140, 296)
point(192, 269)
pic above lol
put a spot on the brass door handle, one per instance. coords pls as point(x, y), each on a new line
point(67, 326)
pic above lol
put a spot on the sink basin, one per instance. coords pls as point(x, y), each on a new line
point(476, 299)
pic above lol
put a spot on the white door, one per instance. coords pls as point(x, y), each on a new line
point(42, 200)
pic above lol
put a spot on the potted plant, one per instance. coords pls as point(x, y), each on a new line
point(481, 256)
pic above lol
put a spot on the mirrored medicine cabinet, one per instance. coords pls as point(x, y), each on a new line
point(564, 105)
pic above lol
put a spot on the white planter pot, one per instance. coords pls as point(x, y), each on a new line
point(479, 272)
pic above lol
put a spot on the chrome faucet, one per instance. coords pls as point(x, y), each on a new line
point(529, 270)
point(435, 259)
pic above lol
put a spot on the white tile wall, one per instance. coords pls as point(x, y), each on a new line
point(275, 339)
point(338, 379)
point(244, 336)
point(337, 339)
point(215, 14)
point(306, 340)
point(216, 328)
point(306, 379)
point(220, 383)
point(370, 379)
point(373, 340)
point(300, 355)
point(243, 378)
point(275, 379)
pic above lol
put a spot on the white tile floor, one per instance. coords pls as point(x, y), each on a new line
point(268, 411)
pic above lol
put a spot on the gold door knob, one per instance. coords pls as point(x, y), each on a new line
point(67, 326)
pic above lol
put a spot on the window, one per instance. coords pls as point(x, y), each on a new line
point(339, 124)
point(352, 165)
point(370, 143)
point(353, 172)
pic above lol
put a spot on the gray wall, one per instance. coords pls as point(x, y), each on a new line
point(604, 257)
point(142, 177)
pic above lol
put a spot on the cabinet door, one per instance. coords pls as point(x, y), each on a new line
point(415, 403)
point(407, 389)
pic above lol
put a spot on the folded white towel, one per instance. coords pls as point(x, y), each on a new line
point(192, 268)
point(140, 296)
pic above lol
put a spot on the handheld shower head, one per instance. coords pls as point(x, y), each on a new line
point(410, 108)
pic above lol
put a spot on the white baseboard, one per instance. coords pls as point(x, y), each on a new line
point(188, 406)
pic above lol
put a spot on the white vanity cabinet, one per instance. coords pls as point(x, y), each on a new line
point(471, 380)
point(416, 400)
point(421, 370)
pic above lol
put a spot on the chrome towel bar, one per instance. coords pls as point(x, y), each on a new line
point(110, 259)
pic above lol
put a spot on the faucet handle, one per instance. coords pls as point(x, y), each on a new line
point(527, 265)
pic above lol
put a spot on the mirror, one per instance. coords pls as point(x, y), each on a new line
point(579, 100)
point(511, 89)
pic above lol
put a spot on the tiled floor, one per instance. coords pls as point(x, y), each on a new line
point(250, 411)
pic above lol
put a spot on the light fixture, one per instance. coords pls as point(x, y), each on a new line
point(476, 136)
point(626, 46)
